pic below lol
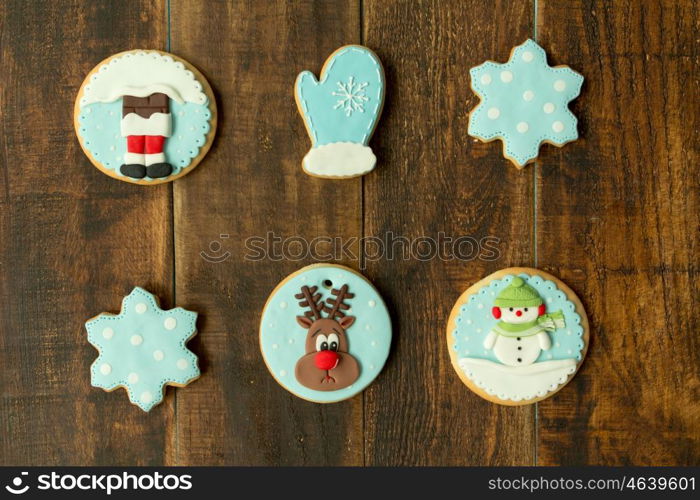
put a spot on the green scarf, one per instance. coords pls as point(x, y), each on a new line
point(546, 322)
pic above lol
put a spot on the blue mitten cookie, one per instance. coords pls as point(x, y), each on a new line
point(341, 111)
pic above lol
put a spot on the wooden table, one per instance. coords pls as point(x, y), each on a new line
point(615, 215)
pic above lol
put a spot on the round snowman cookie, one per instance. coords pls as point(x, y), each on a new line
point(517, 336)
point(145, 116)
point(325, 333)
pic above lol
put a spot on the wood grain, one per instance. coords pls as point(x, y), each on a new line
point(433, 178)
point(252, 183)
point(615, 215)
point(73, 241)
point(618, 218)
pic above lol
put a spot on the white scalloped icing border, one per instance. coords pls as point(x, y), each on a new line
point(540, 393)
point(128, 68)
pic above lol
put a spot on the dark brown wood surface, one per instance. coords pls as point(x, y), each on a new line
point(615, 215)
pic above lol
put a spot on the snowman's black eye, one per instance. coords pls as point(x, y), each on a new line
point(510, 309)
point(525, 309)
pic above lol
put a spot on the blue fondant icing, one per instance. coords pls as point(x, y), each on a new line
point(100, 130)
point(344, 105)
point(475, 321)
point(524, 102)
point(282, 339)
point(143, 348)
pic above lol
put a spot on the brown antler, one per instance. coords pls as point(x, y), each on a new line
point(309, 298)
point(337, 305)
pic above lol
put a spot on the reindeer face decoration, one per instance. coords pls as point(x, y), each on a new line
point(326, 364)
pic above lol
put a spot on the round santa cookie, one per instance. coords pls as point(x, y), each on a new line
point(145, 116)
point(517, 336)
point(325, 333)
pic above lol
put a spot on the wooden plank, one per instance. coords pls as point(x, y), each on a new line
point(252, 183)
point(72, 241)
point(433, 177)
point(618, 220)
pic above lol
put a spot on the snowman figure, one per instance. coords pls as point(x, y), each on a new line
point(521, 334)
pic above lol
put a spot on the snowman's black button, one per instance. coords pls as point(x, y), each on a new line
point(520, 348)
point(520, 360)
point(518, 339)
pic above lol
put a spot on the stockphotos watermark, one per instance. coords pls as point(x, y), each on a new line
point(388, 247)
point(99, 483)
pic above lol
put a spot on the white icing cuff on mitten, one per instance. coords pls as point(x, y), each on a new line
point(134, 158)
point(339, 159)
point(156, 124)
point(154, 158)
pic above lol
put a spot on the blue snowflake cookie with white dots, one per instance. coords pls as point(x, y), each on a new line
point(325, 333)
point(142, 349)
point(340, 112)
point(524, 103)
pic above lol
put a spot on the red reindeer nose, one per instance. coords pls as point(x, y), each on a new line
point(326, 360)
point(518, 313)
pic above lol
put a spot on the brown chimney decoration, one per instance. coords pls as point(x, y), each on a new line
point(326, 365)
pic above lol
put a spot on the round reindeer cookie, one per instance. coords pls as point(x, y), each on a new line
point(517, 336)
point(325, 333)
point(145, 116)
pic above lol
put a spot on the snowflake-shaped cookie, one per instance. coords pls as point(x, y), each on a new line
point(524, 102)
point(142, 349)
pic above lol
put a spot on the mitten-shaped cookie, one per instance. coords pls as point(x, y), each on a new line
point(340, 112)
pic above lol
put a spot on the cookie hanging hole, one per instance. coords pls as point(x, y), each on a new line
point(327, 284)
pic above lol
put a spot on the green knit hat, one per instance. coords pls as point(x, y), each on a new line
point(518, 294)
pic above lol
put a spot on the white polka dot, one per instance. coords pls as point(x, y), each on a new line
point(108, 333)
point(485, 79)
point(372, 367)
point(549, 300)
point(493, 113)
point(182, 364)
point(569, 352)
point(283, 373)
point(371, 303)
point(560, 85)
point(480, 306)
point(158, 355)
point(373, 344)
point(528, 95)
point(479, 330)
point(105, 369)
point(466, 352)
point(522, 127)
point(506, 76)
point(568, 332)
point(283, 305)
point(146, 397)
point(170, 323)
point(557, 126)
point(548, 108)
point(466, 339)
point(132, 378)
point(368, 327)
point(140, 308)
point(136, 339)
point(275, 346)
point(291, 341)
point(528, 56)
